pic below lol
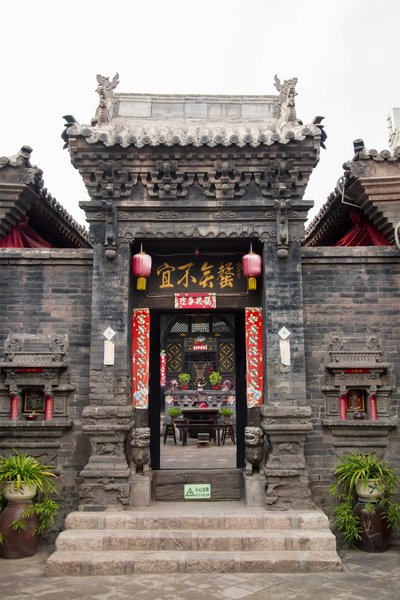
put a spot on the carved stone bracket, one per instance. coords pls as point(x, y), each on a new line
point(167, 181)
point(282, 227)
point(224, 181)
point(111, 180)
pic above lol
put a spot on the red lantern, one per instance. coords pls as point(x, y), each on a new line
point(141, 267)
point(251, 264)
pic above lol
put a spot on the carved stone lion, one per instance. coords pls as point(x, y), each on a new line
point(140, 444)
point(254, 440)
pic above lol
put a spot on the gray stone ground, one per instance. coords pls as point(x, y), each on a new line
point(365, 576)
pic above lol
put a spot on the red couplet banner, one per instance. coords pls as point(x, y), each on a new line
point(254, 357)
point(140, 357)
point(163, 369)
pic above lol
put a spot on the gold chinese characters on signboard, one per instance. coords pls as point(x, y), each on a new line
point(172, 274)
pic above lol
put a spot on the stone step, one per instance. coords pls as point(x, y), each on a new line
point(202, 518)
point(73, 540)
point(199, 537)
point(114, 562)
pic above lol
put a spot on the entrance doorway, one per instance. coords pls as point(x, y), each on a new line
point(206, 346)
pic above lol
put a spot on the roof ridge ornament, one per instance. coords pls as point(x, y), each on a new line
point(284, 106)
point(107, 102)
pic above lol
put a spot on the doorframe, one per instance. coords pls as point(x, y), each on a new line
point(155, 388)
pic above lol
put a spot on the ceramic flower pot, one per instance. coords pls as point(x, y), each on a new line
point(25, 493)
point(369, 491)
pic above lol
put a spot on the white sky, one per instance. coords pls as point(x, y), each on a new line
point(345, 54)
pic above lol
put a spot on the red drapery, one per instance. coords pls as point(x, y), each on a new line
point(23, 236)
point(363, 233)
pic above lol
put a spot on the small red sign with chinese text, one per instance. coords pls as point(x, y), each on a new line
point(195, 300)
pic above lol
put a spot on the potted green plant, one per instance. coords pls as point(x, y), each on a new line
point(226, 414)
point(184, 379)
point(215, 379)
point(174, 412)
point(25, 486)
point(365, 512)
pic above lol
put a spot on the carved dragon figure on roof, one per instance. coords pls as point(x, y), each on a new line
point(105, 89)
point(284, 107)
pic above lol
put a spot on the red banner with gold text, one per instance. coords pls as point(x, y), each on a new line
point(140, 357)
point(254, 357)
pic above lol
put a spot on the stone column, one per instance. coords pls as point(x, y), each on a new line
point(109, 417)
point(285, 418)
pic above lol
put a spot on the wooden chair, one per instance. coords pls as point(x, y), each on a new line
point(169, 432)
point(228, 430)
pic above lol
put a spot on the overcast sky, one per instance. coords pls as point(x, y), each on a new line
point(345, 54)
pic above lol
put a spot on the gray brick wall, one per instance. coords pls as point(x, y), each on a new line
point(46, 292)
point(352, 293)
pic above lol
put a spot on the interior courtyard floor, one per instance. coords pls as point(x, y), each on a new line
point(194, 456)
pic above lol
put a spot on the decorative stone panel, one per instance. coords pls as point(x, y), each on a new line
point(288, 485)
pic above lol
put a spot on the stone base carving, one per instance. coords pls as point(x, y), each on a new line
point(106, 474)
point(288, 485)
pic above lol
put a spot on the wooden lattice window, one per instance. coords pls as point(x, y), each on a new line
point(174, 354)
point(226, 357)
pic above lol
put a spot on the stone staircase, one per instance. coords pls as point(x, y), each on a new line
point(209, 538)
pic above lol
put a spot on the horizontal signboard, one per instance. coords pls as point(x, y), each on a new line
point(180, 274)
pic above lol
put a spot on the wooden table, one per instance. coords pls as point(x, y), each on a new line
point(184, 427)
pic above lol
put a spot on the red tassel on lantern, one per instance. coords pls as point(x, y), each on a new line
point(141, 267)
point(251, 264)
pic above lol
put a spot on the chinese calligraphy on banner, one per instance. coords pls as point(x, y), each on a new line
point(163, 368)
point(195, 301)
point(254, 357)
point(140, 357)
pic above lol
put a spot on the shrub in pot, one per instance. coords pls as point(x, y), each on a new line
point(27, 508)
point(184, 379)
point(365, 511)
point(174, 412)
point(226, 413)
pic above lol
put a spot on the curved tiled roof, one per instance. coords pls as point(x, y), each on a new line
point(193, 120)
point(190, 134)
point(352, 169)
point(32, 174)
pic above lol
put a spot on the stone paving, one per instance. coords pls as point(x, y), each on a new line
point(364, 577)
point(192, 456)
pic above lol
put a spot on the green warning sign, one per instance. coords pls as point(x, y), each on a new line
point(197, 491)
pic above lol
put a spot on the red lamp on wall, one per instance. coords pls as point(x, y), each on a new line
point(251, 264)
point(141, 267)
